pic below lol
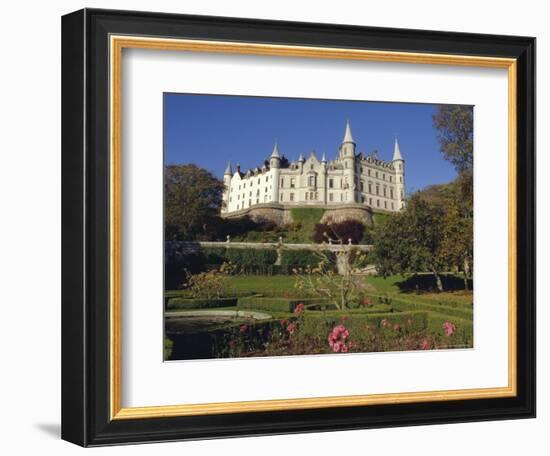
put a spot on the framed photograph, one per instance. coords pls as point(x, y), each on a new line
point(278, 227)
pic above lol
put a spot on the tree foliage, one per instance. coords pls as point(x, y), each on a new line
point(339, 232)
point(456, 135)
point(193, 198)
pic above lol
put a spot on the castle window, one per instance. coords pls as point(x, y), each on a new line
point(391, 195)
point(401, 179)
point(292, 182)
point(330, 197)
point(378, 190)
point(239, 187)
point(368, 172)
point(250, 193)
point(257, 200)
point(331, 183)
point(265, 189)
point(238, 197)
point(258, 180)
point(377, 174)
point(249, 202)
point(390, 178)
point(311, 167)
point(292, 197)
point(400, 166)
point(316, 195)
point(266, 178)
point(385, 204)
point(362, 186)
point(383, 176)
point(307, 195)
point(370, 201)
point(370, 187)
point(378, 203)
point(384, 192)
point(281, 197)
point(312, 181)
point(341, 197)
point(362, 199)
point(237, 207)
point(392, 208)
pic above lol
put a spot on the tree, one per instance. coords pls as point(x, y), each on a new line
point(456, 135)
point(411, 241)
point(193, 198)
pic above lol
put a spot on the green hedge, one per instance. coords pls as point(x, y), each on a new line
point(296, 259)
point(187, 303)
point(459, 312)
point(377, 308)
point(277, 304)
point(248, 261)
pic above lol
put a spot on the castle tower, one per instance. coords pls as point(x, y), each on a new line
point(275, 168)
point(347, 156)
point(227, 185)
point(399, 167)
point(323, 179)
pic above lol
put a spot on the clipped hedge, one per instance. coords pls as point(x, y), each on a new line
point(296, 259)
point(277, 304)
point(459, 312)
point(194, 303)
point(248, 261)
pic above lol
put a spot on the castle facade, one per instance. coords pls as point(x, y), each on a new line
point(352, 179)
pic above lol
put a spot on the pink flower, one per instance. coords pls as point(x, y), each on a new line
point(366, 302)
point(396, 327)
point(449, 328)
point(425, 344)
point(384, 323)
point(337, 339)
point(299, 309)
point(282, 322)
point(291, 328)
point(243, 328)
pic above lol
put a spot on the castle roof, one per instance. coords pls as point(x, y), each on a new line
point(396, 151)
point(347, 135)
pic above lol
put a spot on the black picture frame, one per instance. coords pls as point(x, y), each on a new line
point(85, 224)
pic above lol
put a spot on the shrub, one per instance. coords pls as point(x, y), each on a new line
point(190, 303)
point(341, 231)
point(460, 312)
point(300, 259)
point(177, 260)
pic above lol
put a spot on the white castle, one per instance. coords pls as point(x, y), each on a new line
point(350, 179)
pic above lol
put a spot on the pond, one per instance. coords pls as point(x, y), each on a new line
point(202, 334)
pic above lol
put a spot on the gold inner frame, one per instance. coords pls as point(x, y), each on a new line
point(117, 44)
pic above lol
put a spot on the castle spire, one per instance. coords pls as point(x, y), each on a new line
point(301, 157)
point(396, 151)
point(347, 136)
point(323, 158)
point(275, 153)
point(228, 171)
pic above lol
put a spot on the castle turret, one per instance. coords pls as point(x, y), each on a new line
point(275, 168)
point(227, 186)
point(347, 155)
point(399, 167)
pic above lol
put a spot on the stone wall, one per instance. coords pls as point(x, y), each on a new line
point(281, 214)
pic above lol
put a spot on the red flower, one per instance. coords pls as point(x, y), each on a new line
point(366, 302)
point(243, 328)
point(343, 318)
point(299, 309)
point(291, 328)
point(449, 328)
point(282, 322)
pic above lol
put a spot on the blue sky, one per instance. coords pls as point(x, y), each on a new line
point(209, 130)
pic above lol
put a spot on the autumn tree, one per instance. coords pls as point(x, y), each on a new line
point(193, 198)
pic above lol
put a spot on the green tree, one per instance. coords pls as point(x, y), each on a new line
point(456, 135)
point(411, 241)
point(193, 198)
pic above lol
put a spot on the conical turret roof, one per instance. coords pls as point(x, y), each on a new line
point(347, 136)
point(396, 152)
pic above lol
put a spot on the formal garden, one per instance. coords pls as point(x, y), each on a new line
point(243, 305)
